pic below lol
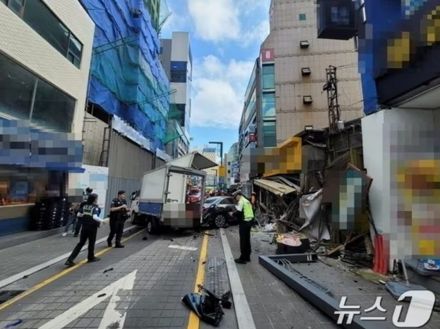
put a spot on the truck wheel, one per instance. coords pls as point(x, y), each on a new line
point(220, 221)
point(153, 226)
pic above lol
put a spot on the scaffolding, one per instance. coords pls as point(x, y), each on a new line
point(334, 111)
point(127, 78)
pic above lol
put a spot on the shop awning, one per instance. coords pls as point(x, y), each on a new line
point(274, 187)
point(193, 160)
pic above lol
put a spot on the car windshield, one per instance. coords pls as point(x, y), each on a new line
point(194, 192)
point(211, 200)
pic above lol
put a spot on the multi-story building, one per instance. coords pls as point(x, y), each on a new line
point(232, 165)
point(176, 59)
point(212, 174)
point(125, 129)
point(398, 53)
point(285, 92)
point(45, 51)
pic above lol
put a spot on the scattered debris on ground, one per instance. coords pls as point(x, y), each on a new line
point(207, 305)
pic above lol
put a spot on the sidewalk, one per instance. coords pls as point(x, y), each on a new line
point(275, 305)
point(12, 240)
point(162, 275)
point(22, 257)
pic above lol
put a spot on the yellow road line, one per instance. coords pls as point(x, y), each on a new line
point(194, 321)
point(57, 276)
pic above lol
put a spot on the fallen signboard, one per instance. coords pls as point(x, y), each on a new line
point(313, 292)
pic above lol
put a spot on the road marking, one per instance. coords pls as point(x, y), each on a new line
point(32, 270)
point(57, 276)
point(111, 317)
point(175, 246)
point(242, 310)
point(194, 321)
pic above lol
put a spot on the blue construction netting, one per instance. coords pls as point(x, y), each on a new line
point(127, 78)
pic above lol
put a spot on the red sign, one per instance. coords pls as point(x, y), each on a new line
point(267, 55)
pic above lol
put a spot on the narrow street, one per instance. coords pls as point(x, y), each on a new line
point(191, 164)
point(143, 284)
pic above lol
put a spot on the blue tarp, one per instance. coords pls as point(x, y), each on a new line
point(127, 78)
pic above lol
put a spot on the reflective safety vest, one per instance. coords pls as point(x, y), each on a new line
point(88, 210)
point(247, 209)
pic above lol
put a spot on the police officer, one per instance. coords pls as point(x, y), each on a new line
point(89, 215)
point(118, 215)
point(86, 194)
point(244, 206)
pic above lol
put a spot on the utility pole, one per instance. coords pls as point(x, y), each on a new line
point(331, 86)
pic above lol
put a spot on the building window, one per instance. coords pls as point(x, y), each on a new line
point(52, 108)
point(75, 50)
point(340, 15)
point(304, 44)
point(43, 21)
point(17, 89)
point(306, 71)
point(268, 76)
point(302, 17)
point(178, 71)
point(18, 186)
point(16, 6)
point(363, 12)
point(269, 105)
point(26, 97)
point(269, 134)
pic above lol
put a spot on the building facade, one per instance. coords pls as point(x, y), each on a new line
point(294, 63)
point(285, 91)
point(232, 166)
point(176, 59)
point(125, 129)
point(398, 58)
point(45, 53)
point(212, 174)
point(401, 129)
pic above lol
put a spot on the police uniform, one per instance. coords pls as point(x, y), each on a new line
point(117, 220)
point(245, 225)
point(88, 232)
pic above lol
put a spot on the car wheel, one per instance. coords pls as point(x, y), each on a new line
point(220, 221)
point(153, 225)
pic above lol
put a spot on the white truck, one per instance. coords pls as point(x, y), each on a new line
point(162, 200)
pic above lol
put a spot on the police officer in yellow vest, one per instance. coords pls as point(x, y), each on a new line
point(244, 206)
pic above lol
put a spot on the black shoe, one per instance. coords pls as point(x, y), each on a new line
point(240, 261)
point(145, 238)
point(109, 243)
point(94, 259)
point(247, 260)
point(119, 246)
point(69, 263)
point(75, 235)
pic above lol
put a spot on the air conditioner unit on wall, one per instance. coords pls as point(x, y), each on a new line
point(307, 100)
point(304, 44)
point(306, 71)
